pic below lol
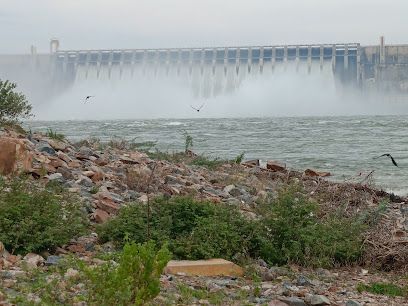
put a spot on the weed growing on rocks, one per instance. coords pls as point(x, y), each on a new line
point(36, 220)
point(133, 280)
point(288, 230)
point(54, 135)
point(383, 288)
point(298, 235)
point(193, 229)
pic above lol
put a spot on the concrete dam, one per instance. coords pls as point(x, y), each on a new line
point(213, 71)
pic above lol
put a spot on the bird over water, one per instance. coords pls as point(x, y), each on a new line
point(389, 155)
point(87, 97)
point(197, 109)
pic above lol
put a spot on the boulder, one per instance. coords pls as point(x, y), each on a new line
point(276, 166)
point(64, 157)
point(56, 162)
point(57, 145)
point(311, 172)
point(66, 174)
point(44, 147)
point(101, 216)
point(108, 205)
point(207, 267)
point(14, 156)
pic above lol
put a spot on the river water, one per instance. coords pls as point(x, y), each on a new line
point(344, 146)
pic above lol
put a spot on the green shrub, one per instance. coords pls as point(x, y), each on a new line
point(35, 220)
point(188, 142)
point(383, 288)
point(193, 229)
point(134, 280)
point(289, 230)
point(54, 135)
point(203, 161)
point(296, 234)
point(13, 105)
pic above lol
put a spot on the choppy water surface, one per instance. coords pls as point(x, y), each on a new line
point(345, 146)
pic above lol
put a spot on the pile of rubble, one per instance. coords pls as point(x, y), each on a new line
point(106, 178)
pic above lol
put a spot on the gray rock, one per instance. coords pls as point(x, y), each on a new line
point(30, 137)
point(286, 284)
point(54, 176)
point(262, 262)
point(89, 164)
point(6, 275)
point(234, 201)
point(229, 188)
point(86, 151)
point(235, 192)
point(267, 277)
point(66, 174)
point(52, 260)
point(303, 281)
point(277, 270)
point(133, 195)
point(212, 190)
point(90, 246)
point(234, 295)
point(222, 282)
point(291, 301)
point(262, 300)
point(352, 303)
point(44, 147)
point(116, 197)
point(319, 300)
point(87, 182)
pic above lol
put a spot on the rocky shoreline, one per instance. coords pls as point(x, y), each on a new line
point(107, 177)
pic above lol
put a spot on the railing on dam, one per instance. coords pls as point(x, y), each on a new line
point(344, 58)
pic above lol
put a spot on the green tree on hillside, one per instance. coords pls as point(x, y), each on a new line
point(13, 105)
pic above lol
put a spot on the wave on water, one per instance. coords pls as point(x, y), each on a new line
point(175, 123)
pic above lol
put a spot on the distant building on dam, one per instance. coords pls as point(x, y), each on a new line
point(380, 69)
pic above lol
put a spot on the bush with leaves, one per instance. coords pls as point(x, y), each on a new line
point(13, 106)
point(133, 280)
point(298, 235)
point(288, 231)
point(36, 220)
point(193, 229)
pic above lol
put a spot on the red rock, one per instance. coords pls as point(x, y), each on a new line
point(11, 132)
point(100, 162)
point(13, 259)
point(64, 157)
point(57, 145)
point(74, 165)
point(311, 172)
point(14, 156)
point(254, 162)
point(276, 166)
point(108, 206)
point(76, 249)
point(101, 216)
point(98, 175)
point(34, 259)
point(60, 251)
point(56, 162)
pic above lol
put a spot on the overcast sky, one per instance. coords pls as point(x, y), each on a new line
point(110, 24)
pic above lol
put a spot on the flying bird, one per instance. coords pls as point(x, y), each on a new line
point(87, 97)
point(198, 109)
point(392, 159)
